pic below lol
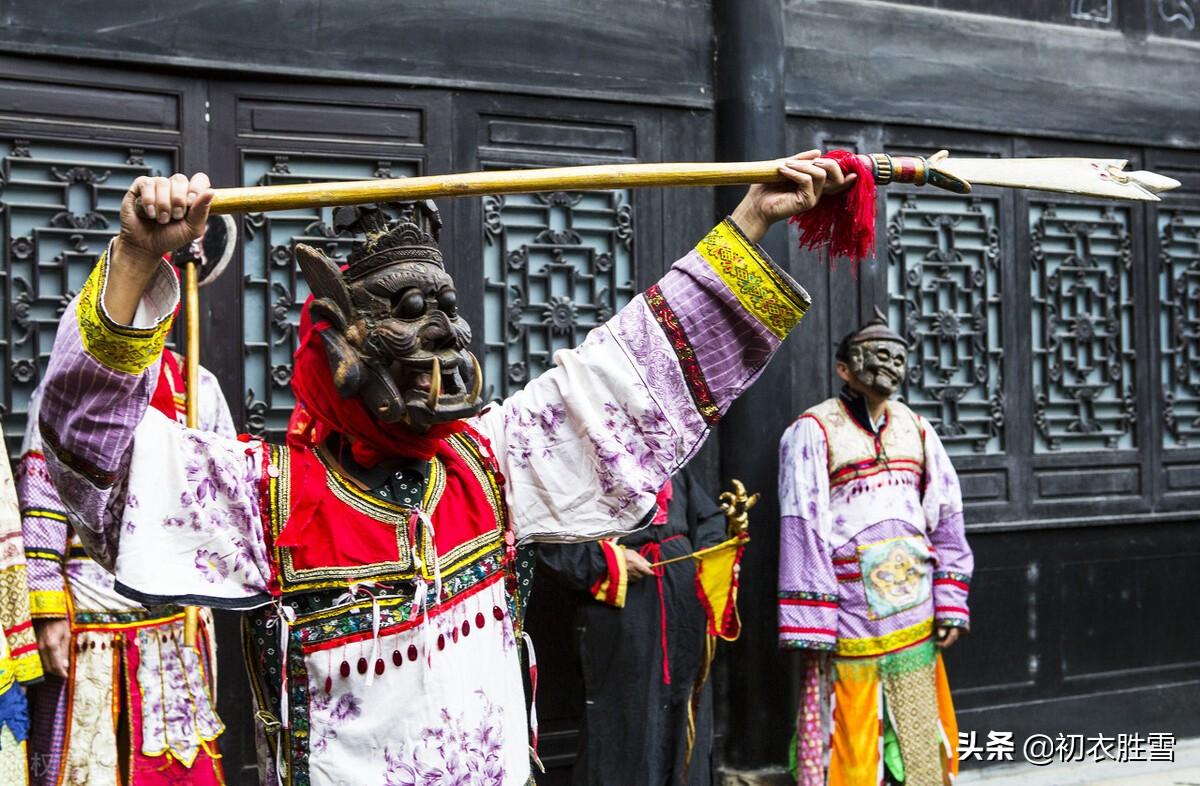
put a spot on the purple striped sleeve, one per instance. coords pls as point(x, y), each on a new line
point(726, 307)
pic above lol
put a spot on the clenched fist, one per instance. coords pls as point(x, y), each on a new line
point(173, 212)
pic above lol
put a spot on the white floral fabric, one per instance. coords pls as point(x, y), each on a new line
point(455, 714)
point(177, 711)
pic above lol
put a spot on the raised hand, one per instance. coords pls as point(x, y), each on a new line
point(807, 177)
point(173, 212)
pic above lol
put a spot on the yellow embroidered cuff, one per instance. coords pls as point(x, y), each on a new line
point(118, 347)
point(763, 290)
point(47, 603)
point(611, 589)
point(29, 668)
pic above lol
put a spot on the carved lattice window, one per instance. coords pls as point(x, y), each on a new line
point(274, 288)
point(1082, 327)
point(59, 205)
point(1179, 325)
point(555, 266)
point(944, 279)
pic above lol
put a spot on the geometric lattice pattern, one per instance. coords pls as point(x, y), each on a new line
point(274, 289)
point(1179, 325)
point(555, 266)
point(944, 280)
point(1082, 327)
point(59, 205)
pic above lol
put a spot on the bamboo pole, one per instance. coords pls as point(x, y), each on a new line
point(191, 304)
point(257, 199)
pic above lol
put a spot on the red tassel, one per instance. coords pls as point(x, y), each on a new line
point(845, 223)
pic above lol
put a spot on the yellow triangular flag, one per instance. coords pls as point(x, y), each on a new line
point(717, 583)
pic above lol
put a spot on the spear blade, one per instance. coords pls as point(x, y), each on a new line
point(1095, 177)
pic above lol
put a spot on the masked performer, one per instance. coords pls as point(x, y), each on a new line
point(19, 663)
point(374, 548)
point(101, 650)
point(642, 644)
point(874, 567)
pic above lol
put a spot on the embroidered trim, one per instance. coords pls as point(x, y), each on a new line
point(810, 631)
point(806, 644)
point(702, 395)
point(47, 603)
point(612, 586)
point(893, 664)
point(882, 645)
point(44, 554)
point(117, 347)
point(101, 479)
point(785, 595)
point(773, 301)
point(825, 604)
point(872, 467)
point(951, 577)
point(37, 513)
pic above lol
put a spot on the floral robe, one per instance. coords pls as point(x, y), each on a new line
point(873, 555)
point(382, 642)
point(114, 638)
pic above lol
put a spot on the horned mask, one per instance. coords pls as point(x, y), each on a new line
point(876, 356)
point(395, 337)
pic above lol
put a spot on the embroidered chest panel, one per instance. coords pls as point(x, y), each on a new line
point(358, 537)
point(856, 453)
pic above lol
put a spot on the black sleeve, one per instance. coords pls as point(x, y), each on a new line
point(706, 522)
point(578, 565)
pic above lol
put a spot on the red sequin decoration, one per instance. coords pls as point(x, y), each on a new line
point(345, 670)
point(397, 658)
point(379, 667)
point(479, 620)
point(412, 651)
point(362, 665)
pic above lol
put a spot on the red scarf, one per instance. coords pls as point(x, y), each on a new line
point(371, 440)
point(170, 380)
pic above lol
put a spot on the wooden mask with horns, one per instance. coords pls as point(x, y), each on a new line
point(395, 337)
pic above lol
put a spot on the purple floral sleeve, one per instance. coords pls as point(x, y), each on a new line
point(586, 446)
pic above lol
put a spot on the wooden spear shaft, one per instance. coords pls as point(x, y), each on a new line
point(191, 305)
point(257, 199)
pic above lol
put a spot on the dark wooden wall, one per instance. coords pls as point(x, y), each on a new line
point(1084, 525)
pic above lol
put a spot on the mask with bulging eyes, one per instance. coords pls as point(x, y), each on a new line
point(879, 366)
point(396, 339)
